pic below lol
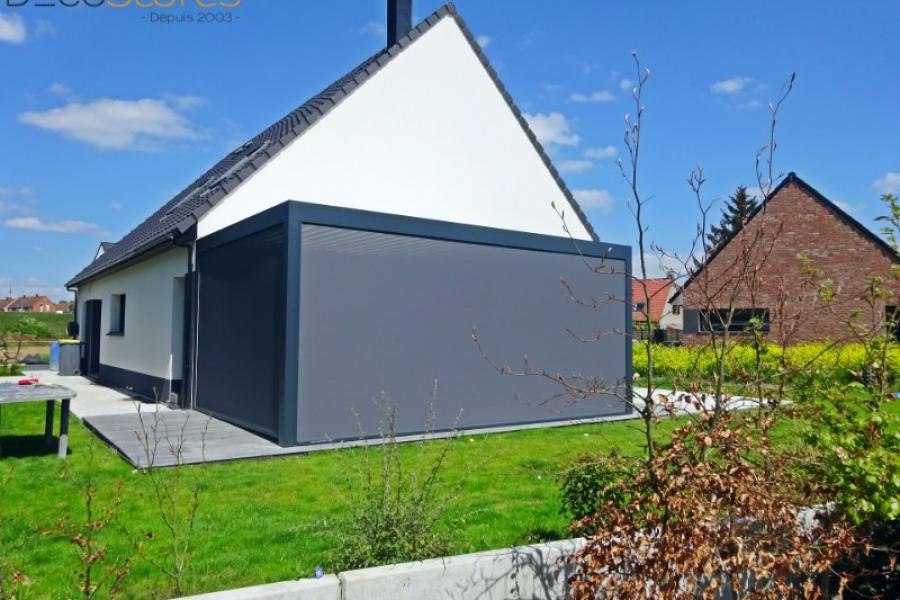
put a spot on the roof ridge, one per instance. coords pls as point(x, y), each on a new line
point(181, 213)
point(790, 178)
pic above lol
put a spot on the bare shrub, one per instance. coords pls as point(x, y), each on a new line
point(396, 501)
point(719, 514)
point(177, 493)
point(99, 572)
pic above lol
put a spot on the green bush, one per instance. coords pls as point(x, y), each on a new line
point(54, 325)
point(844, 363)
point(397, 496)
point(590, 483)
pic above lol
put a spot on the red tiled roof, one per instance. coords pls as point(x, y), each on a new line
point(30, 301)
point(659, 292)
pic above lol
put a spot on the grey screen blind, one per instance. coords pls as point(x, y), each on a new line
point(391, 313)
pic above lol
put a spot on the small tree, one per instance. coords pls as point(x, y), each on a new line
point(176, 491)
point(737, 210)
point(99, 572)
point(16, 334)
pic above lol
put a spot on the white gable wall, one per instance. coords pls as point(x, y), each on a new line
point(427, 136)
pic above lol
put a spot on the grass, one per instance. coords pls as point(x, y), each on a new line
point(273, 519)
point(269, 520)
point(56, 323)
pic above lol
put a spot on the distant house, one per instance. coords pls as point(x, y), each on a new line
point(351, 248)
point(36, 304)
point(660, 309)
point(756, 276)
point(5, 303)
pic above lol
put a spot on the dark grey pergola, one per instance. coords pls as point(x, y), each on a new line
point(12, 393)
point(307, 313)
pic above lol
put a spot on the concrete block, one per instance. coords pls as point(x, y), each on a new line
point(324, 588)
point(533, 572)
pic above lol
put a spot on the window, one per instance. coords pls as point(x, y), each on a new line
point(639, 306)
point(117, 314)
point(735, 320)
point(676, 309)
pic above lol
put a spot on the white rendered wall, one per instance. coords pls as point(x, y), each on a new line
point(670, 320)
point(147, 345)
point(428, 136)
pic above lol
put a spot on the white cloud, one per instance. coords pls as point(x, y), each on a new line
point(63, 91)
point(374, 28)
point(549, 87)
point(16, 190)
point(11, 200)
point(889, 184)
point(601, 152)
point(625, 85)
point(116, 124)
point(185, 102)
point(574, 166)
point(849, 207)
point(730, 86)
point(598, 96)
point(12, 28)
point(59, 89)
point(600, 200)
point(552, 128)
point(660, 266)
point(36, 224)
point(45, 27)
point(749, 104)
point(483, 41)
point(115, 206)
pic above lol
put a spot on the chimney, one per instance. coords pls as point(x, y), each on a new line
point(399, 14)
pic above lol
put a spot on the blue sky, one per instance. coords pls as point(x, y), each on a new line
point(104, 114)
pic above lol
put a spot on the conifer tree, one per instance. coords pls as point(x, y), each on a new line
point(736, 212)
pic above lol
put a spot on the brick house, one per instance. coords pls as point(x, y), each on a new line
point(758, 274)
point(39, 304)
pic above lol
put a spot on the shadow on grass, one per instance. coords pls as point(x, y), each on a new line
point(23, 446)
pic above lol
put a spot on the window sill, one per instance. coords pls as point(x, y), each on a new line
point(116, 333)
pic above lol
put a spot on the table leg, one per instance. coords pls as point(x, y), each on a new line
point(48, 423)
point(63, 428)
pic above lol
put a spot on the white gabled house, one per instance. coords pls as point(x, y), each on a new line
point(350, 248)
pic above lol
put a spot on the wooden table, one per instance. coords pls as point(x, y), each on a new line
point(11, 393)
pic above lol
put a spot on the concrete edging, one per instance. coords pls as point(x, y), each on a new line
point(535, 572)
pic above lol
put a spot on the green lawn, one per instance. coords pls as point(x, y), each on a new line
point(270, 520)
point(56, 323)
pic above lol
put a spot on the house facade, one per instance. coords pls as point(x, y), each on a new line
point(769, 273)
point(351, 249)
point(35, 303)
point(660, 308)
